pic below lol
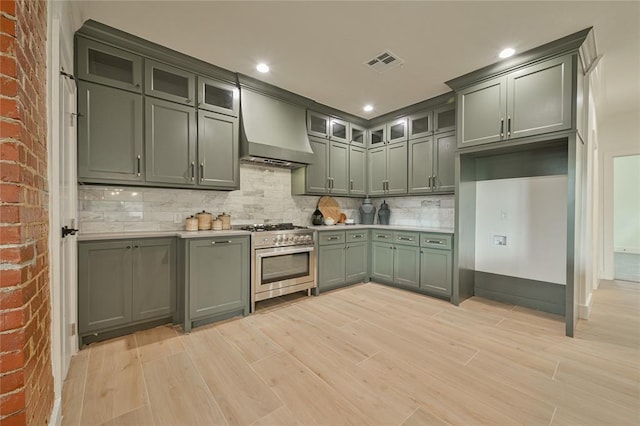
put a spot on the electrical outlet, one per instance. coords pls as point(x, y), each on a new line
point(503, 215)
point(499, 240)
point(177, 218)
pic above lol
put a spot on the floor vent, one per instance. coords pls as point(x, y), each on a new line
point(384, 62)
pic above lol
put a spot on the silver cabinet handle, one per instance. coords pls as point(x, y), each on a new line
point(502, 127)
point(386, 237)
point(138, 164)
point(357, 236)
point(405, 238)
point(201, 172)
point(434, 181)
point(333, 238)
point(193, 171)
point(435, 241)
point(332, 183)
point(328, 183)
point(508, 126)
point(351, 185)
point(429, 183)
point(220, 242)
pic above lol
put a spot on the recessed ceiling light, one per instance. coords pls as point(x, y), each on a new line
point(507, 52)
point(263, 68)
point(368, 108)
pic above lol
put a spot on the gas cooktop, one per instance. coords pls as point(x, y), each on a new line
point(271, 227)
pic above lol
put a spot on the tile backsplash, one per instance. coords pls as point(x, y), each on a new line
point(264, 197)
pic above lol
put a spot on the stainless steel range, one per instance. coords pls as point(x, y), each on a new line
point(283, 260)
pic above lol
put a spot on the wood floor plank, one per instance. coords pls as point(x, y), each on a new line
point(240, 393)
point(114, 383)
point(72, 399)
point(421, 417)
point(251, 342)
point(157, 343)
point(178, 394)
point(139, 417)
point(280, 417)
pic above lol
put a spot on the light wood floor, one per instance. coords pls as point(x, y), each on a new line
point(370, 355)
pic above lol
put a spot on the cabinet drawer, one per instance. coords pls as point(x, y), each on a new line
point(357, 235)
point(384, 236)
point(438, 241)
point(327, 238)
point(406, 238)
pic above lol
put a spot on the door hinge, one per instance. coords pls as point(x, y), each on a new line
point(66, 74)
point(73, 329)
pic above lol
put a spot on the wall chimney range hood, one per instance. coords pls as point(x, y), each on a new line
point(273, 131)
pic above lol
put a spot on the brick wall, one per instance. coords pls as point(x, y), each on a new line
point(26, 381)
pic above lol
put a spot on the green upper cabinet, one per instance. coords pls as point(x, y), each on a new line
point(358, 135)
point(110, 141)
point(397, 130)
point(357, 170)
point(420, 125)
point(170, 142)
point(444, 119)
point(324, 126)
point(170, 83)
point(329, 173)
point(387, 169)
point(530, 101)
point(104, 64)
point(431, 164)
point(218, 163)
point(216, 96)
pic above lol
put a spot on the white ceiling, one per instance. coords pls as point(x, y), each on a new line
point(317, 48)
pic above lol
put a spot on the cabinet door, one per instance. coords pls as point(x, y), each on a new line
point(339, 130)
point(377, 167)
point(382, 262)
point(317, 124)
point(444, 119)
point(397, 130)
point(420, 165)
point(377, 136)
point(481, 111)
point(397, 168)
point(154, 273)
point(539, 98)
point(331, 264)
point(435, 271)
point(339, 168)
point(104, 285)
point(218, 276)
point(170, 142)
point(109, 134)
point(216, 96)
point(358, 135)
point(420, 125)
point(406, 265)
point(170, 83)
point(108, 65)
point(444, 164)
point(317, 173)
point(357, 260)
point(218, 160)
point(357, 170)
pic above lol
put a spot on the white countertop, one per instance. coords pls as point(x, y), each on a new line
point(156, 234)
point(341, 227)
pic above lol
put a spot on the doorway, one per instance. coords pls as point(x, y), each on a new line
point(626, 218)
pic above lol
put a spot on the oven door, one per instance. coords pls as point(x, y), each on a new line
point(280, 267)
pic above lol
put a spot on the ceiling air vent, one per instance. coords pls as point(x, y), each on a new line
point(384, 62)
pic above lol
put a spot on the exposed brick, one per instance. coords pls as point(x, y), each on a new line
point(12, 381)
point(11, 403)
point(9, 129)
point(10, 235)
point(9, 214)
point(10, 320)
point(18, 419)
point(10, 277)
point(12, 341)
point(11, 299)
point(7, 26)
point(11, 361)
point(9, 107)
point(8, 86)
point(8, 7)
point(9, 151)
point(10, 193)
point(8, 65)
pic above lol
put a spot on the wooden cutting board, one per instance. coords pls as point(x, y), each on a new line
point(329, 207)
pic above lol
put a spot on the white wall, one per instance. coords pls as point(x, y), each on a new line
point(532, 214)
point(626, 204)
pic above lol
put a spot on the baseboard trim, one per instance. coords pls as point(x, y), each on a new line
point(585, 310)
point(56, 413)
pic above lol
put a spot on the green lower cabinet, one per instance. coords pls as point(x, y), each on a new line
point(382, 262)
point(357, 260)
point(435, 271)
point(331, 266)
point(217, 278)
point(124, 283)
point(406, 265)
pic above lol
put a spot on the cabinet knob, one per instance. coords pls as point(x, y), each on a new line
point(137, 84)
point(128, 247)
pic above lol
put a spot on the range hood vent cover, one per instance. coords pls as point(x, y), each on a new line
point(384, 61)
point(273, 131)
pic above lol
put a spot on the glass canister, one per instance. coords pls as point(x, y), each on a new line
point(367, 212)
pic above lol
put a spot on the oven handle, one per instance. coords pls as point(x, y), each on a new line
point(279, 251)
